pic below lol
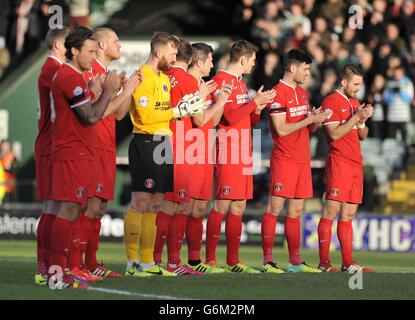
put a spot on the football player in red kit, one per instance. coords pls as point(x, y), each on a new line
point(55, 40)
point(202, 187)
point(291, 121)
point(344, 171)
point(234, 180)
point(88, 225)
point(73, 139)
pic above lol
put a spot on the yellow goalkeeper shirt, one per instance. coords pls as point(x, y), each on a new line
point(150, 110)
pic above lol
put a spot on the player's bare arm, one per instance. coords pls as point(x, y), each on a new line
point(337, 131)
point(362, 130)
point(283, 128)
point(216, 110)
point(90, 113)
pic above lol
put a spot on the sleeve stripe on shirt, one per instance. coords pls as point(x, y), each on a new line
point(326, 123)
point(278, 114)
point(80, 103)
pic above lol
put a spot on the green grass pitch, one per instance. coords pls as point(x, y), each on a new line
point(394, 278)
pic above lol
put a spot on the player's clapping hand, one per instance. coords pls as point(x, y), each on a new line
point(224, 92)
point(131, 83)
point(262, 98)
point(95, 85)
point(318, 115)
point(364, 112)
point(207, 88)
point(112, 82)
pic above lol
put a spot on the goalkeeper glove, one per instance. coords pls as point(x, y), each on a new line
point(188, 106)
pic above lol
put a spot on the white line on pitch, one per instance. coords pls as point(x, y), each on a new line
point(129, 293)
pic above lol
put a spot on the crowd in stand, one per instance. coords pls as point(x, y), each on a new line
point(24, 23)
point(379, 36)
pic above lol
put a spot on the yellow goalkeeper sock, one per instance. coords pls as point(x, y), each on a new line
point(132, 231)
point(148, 237)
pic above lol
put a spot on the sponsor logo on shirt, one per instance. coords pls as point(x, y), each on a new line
point(242, 98)
point(143, 101)
point(77, 91)
point(149, 183)
point(299, 111)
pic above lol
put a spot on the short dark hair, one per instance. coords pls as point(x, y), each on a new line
point(76, 39)
point(296, 56)
point(350, 70)
point(200, 52)
point(162, 38)
point(55, 34)
point(184, 51)
point(241, 48)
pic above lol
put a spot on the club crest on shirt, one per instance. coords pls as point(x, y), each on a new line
point(143, 101)
point(226, 190)
point(329, 112)
point(165, 88)
point(80, 192)
point(149, 183)
point(77, 91)
point(182, 193)
point(100, 188)
point(335, 192)
point(278, 187)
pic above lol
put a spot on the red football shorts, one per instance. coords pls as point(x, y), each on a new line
point(344, 180)
point(290, 179)
point(44, 177)
point(201, 181)
point(105, 173)
point(73, 180)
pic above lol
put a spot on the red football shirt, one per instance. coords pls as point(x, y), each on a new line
point(105, 128)
point(238, 114)
point(343, 108)
point(71, 139)
point(43, 141)
point(182, 83)
point(293, 104)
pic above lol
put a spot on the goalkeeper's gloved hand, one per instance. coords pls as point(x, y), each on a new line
point(188, 106)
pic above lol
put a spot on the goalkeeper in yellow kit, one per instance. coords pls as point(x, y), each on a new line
point(149, 153)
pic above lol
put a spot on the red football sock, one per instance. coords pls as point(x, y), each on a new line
point(194, 234)
point(61, 240)
point(75, 255)
point(213, 233)
point(91, 247)
point(233, 238)
point(163, 225)
point(49, 219)
point(324, 239)
point(269, 224)
point(345, 235)
point(293, 234)
point(175, 238)
point(41, 266)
